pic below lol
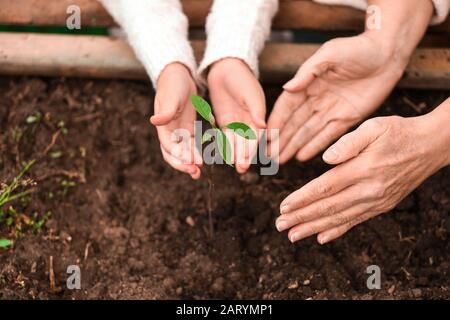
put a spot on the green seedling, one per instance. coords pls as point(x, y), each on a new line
point(7, 192)
point(5, 243)
point(61, 125)
point(204, 110)
point(34, 118)
point(223, 145)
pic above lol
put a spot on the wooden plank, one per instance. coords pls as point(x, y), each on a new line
point(293, 14)
point(105, 57)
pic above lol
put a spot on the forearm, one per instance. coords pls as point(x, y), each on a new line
point(238, 29)
point(157, 30)
point(440, 119)
point(401, 27)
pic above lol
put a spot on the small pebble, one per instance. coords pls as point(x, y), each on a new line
point(190, 221)
point(218, 284)
point(168, 283)
point(417, 293)
point(293, 285)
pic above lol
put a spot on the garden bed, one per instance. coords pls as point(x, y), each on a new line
point(139, 230)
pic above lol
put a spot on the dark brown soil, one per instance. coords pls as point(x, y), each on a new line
point(125, 219)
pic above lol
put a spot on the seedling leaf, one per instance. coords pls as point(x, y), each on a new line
point(203, 108)
point(5, 243)
point(206, 137)
point(224, 146)
point(243, 130)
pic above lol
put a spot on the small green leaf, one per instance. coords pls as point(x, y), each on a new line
point(224, 146)
point(243, 130)
point(203, 108)
point(206, 137)
point(4, 243)
point(56, 154)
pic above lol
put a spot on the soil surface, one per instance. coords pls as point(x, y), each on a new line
point(138, 229)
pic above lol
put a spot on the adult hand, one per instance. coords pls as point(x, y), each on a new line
point(173, 111)
point(378, 165)
point(237, 96)
point(340, 85)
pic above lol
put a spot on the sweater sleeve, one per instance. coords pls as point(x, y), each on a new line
point(157, 30)
point(441, 7)
point(238, 29)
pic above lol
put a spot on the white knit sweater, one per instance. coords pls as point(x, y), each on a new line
point(158, 30)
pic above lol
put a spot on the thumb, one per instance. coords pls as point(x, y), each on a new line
point(353, 143)
point(163, 118)
point(312, 68)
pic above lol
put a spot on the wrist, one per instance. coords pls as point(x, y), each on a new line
point(175, 68)
point(434, 133)
point(440, 119)
point(225, 64)
point(402, 24)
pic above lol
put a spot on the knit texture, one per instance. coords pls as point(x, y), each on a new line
point(157, 30)
point(237, 29)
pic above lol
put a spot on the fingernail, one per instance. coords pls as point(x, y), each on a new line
point(281, 225)
point(323, 239)
point(294, 237)
point(284, 209)
point(331, 154)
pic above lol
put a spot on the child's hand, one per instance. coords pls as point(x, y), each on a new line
point(340, 85)
point(173, 111)
point(237, 96)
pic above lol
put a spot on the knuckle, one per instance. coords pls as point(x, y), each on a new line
point(371, 124)
point(312, 230)
point(379, 190)
point(340, 220)
point(326, 208)
point(299, 217)
point(323, 189)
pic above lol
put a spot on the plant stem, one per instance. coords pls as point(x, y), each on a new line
point(210, 195)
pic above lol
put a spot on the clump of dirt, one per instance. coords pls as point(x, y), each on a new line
point(139, 230)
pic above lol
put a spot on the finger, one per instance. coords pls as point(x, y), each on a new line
point(163, 118)
point(296, 121)
point(175, 163)
point(353, 143)
point(256, 104)
point(171, 109)
point(245, 151)
point(328, 184)
point(232, 140)
point(314, 67)
point(336, 232)
point(241, 151)
point(323, 139)
point(198, 159)
point(308, 229)
point(306, 132)
point(286, 104)
point(322, 208)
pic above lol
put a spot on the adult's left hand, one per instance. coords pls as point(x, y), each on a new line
point(378, 165)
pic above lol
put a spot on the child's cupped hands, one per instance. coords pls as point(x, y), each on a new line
point(175, 117)
point(237, 96)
